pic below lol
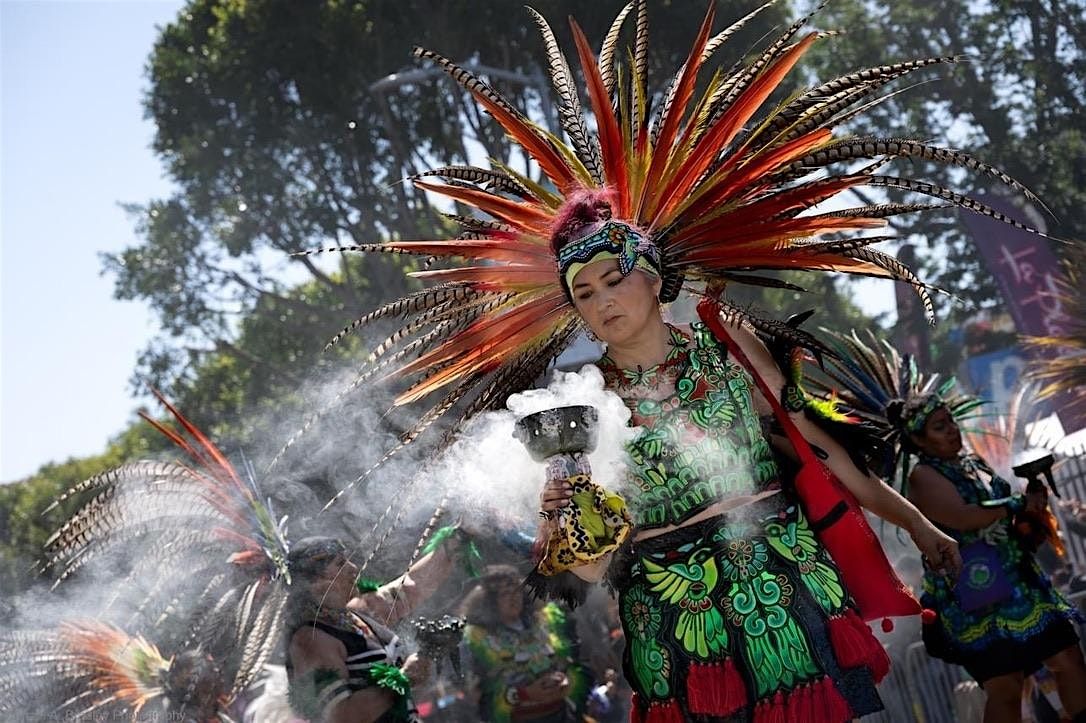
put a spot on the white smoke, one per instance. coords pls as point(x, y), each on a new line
point(487, 477)
point(488, 470)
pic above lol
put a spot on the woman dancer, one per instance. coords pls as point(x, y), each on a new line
point(1021, 622)
point(1002, 619)
point(344, 664)
point(705, 189)
point(730, 605)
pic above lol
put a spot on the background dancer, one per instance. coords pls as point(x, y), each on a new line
point(524, 656)
point(204, 521)
point(344, 664)
point(1002, 619)
point(89, 670)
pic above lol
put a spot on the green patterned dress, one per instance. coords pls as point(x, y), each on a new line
point(505, 659)
point(742, 616)
point(1015, 634)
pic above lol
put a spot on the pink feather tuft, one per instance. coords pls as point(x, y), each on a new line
point(582, 208)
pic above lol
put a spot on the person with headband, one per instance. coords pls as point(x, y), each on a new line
point(1001, 618)
point(344, 663)
point(1004, 619)
point(729, 602)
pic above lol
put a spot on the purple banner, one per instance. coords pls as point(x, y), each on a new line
point(1026, 271)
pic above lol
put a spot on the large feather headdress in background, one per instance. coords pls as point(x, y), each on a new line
point(209, 568)
point(89, 670)
point(1060, 362)
point(857, 384)
point(725, 181)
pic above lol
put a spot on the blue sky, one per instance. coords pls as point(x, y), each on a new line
point(73, 144)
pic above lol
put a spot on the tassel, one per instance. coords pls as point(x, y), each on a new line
point(715, 689)
point(664, 711)
point(771, 711)
point(635, 709)
point(837, 709)
point(848, 645)
point(800, 704)
point(854, 645)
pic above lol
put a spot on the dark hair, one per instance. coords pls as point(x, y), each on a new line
point(480, 606)
point(309, 556)
point(894, 408)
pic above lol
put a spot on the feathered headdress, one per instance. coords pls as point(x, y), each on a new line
point(723, 183)
point(88, 670)
point(212, 560)
point(1060, 365)
point(884, 396)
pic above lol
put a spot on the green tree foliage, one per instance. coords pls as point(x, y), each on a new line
point(1016, 101)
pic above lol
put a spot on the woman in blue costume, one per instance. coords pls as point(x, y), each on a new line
point(731, 607)
point(1001, 618)
point(1023, 622)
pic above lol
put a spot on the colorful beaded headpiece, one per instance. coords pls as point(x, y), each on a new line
point(609, 240)
point(917, 415)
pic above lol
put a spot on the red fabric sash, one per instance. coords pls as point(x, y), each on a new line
point(832, 510)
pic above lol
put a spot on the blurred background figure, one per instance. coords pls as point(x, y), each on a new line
point(523, 657)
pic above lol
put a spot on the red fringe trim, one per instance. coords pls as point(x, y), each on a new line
point(635, 709)
point(854, 645)
point(664, 711)
point(715, 689)
point(815, 702)
point(830, 705)
point(771, 710)
point(800, 702)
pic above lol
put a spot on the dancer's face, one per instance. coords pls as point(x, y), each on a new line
point(509, 598)
point(615, 307)
point(335, 585)
point(941, 437)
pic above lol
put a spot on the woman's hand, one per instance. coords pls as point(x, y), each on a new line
point(556, 493)
point(548, 688)
point(417, 669)
point(938, 548)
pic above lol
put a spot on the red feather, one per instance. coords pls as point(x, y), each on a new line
point(611, 144)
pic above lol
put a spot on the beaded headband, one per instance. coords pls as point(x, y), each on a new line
point(607, 240)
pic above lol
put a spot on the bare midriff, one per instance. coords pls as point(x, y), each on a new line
point(714, 510)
